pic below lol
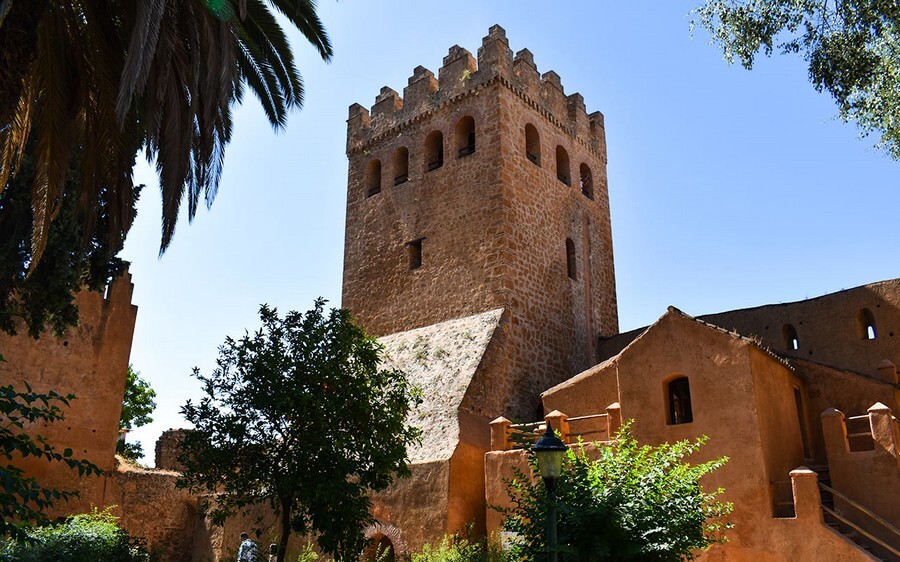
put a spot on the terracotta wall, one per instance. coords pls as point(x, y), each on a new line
point(848, 391)
point(867, 473)
point(828, 327)
point(90, 361)
point(804, 537)
point(774, 387)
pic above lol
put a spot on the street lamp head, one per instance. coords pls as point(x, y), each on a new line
point(549, 450)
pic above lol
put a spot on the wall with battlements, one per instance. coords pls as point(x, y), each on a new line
point(89, 361)
point(474, 223)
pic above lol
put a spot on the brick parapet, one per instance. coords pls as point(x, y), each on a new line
point(461, 77)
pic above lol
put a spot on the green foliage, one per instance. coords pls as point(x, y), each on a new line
point(22, 499)
point(633, 503)
point(90, 537)
point(301, 416)
point(137, 405)
point(457, 549)
point(74, 258)
point(308, 553)
point(852, 48)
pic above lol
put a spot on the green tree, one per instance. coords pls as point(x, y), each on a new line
point(137, 405)
point(23, 500)
point(301, 416)
point(99, 76)
point(852, 48)
point(634, 502)
point(87, 537)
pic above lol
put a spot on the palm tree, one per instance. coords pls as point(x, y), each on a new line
point(108, 75)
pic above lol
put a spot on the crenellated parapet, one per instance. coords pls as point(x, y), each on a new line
point(462, 75)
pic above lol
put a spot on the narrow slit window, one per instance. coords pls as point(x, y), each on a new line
point(791, 340)
point(465, 137)
point(532, 144)
point(401, 165)
point(571, 264)
point(562, 165)
point(679, 401)
point(414, 253)
point(866, 321)
point(587, 181)
point(373, 178)
point(434, 151)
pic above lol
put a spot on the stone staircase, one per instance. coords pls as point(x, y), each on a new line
point(853, 535)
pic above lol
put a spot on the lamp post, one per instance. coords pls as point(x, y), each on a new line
point(550, 450)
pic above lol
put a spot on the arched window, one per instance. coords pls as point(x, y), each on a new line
point(791, 341)
point(434, 150)
point(373, 178)
point(401, 165)
point(465, 137)
point(866, 323)
point(532, 144)
point(587, 181)
point(571, 264)
point(562, 165)
point(678, 394)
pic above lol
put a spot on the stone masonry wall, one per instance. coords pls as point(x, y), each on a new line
point(492, 224)
point(828, 328)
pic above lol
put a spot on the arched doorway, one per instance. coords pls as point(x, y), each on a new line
point(386, 538)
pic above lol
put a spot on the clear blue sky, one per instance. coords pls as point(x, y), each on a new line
point(728, 188)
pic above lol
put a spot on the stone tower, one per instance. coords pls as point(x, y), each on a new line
point(480, 189)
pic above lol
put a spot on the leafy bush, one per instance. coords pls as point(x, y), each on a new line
point(633, 503)
point(456, 549)
point(90, 537)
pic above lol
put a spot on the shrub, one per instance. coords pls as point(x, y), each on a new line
point(457, 549)
point(635, 502)
point(90, 537)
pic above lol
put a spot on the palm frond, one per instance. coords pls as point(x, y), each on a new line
point(141, 52)
point(14, 136)
point(54, 131)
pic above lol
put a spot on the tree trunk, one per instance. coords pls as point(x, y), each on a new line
point(285, 530)
point(18, 40)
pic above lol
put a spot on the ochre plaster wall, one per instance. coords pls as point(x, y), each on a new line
point(724, 407)
point(779, 423)
point(742, 398)
point(848, 391)
point(871, 478)
point(493, 224)
point(585, 394)
point(827, 327)
point(418, 505)
point(90, 361)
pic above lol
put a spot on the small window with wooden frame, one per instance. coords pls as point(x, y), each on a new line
point(434, 151)
point(587, 181)
point(562, 166)
point(571, 262)
point(401, 165)
point(791, 339)
point(866, 323)
point(465, 137)
point(678, 401)
point(532, 145)
point(414, 253)
point(373, 178)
